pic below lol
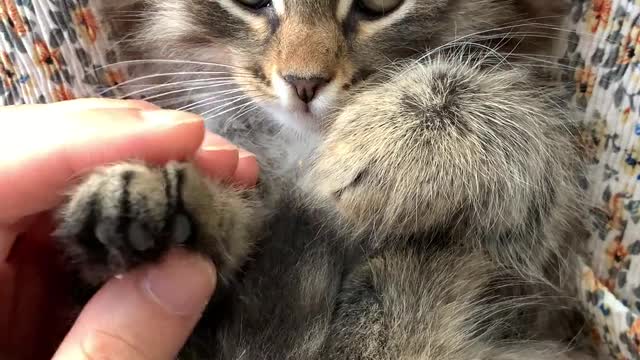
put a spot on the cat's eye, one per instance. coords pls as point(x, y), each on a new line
point(255, 4)
point(377, 8)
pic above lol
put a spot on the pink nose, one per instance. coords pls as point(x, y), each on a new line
point(306, 88)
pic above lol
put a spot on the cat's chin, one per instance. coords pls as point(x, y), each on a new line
point(307, 119)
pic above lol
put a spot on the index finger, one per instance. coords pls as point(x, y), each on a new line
point(41, 153)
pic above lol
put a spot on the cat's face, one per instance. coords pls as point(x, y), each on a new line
point(299, 58)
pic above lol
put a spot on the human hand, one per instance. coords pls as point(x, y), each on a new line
point(149, 313)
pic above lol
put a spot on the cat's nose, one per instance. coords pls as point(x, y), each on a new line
point(306, 87)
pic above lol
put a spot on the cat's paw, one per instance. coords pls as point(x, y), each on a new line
point(123, 216)
point(437, 141)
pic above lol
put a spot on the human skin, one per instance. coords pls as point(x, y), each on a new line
point(146, 314)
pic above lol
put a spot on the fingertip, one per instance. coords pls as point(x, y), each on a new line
point(193, 275)
point(102, 103)
point(146, 314)
point(248, 170)
point(217, 157)
point(162, 136)
point(215, 141)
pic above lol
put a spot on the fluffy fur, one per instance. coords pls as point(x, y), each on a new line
point(423, 205)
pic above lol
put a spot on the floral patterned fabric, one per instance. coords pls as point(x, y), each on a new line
point(52, 50)
point(604, 61)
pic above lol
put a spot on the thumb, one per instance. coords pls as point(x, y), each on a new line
point(147, 314)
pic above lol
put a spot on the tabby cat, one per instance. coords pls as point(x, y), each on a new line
point(419, 196)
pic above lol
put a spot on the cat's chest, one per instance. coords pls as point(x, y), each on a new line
point(287, 297)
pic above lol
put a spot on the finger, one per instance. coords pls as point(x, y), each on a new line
point(40, 156)
point(9, 233)
point(217, 157)
point(248, 169)
point(84, 104)
point(221, 159)
point(102, 103)
point(147, 314)
point(7, 279)
point(7, 238)
point(38, 286)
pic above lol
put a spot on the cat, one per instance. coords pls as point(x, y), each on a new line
point(420, 189)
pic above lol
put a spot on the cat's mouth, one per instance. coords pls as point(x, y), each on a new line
point(304, 115)
point(303, 101)
point(300, 118)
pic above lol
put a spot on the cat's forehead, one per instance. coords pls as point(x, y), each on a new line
point(306, 10)
point(338, 9)
point(296, 6)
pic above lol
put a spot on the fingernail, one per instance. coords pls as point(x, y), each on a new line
point(169, 117)
point(245, 154)
point(219, 148)
point(144, 105)
point(182, 284)
point(214, 142)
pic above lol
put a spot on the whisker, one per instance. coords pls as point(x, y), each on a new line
point(170, 61)
point(240, 98)
point(222, 81)
point(184, 100)
point(223, 112)
point(504, 59)
point(550, 63)
point(242, 113)
point(208, 100)
point(186, 90)
point(152, 76)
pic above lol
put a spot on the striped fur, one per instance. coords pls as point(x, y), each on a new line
point(419, 201)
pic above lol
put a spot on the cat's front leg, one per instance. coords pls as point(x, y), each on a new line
point(129, 214)
point(449, 144)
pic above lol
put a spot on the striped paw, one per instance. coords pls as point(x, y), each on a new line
point(125, 215)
